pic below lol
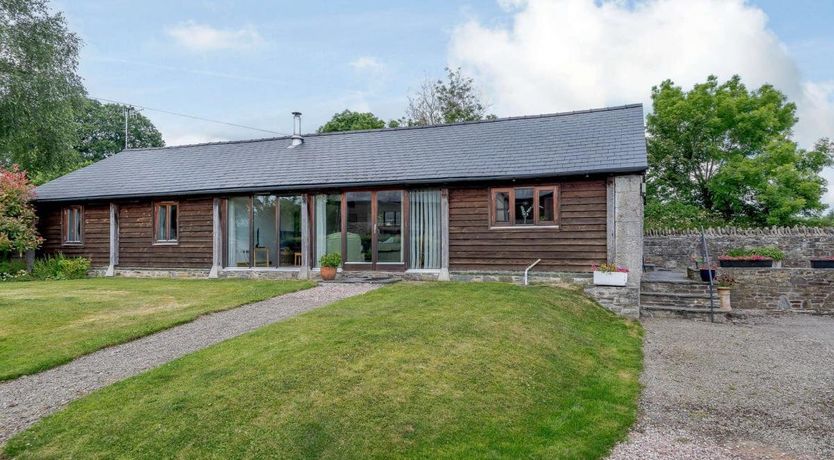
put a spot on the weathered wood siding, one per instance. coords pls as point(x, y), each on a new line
point(194, 246)
point(96, 233)
point(580, 241)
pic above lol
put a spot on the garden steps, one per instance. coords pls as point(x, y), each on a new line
point(671, 294)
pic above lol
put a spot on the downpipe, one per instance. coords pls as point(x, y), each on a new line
point(527, 270)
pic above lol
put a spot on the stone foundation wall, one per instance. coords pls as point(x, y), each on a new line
point(624, 301)
point(798, 289)
point(673, 249)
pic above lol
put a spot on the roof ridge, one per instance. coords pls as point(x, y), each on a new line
point(400, 128)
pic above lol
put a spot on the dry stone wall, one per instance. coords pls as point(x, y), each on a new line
point(672, 249)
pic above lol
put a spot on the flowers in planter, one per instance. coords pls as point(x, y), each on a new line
point(610, 275)
point(753, 257)
point(725, 280)
point(608, 268)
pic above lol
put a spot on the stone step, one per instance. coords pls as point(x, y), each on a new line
point(678, 300)
point(668, 311)
point(674, 287)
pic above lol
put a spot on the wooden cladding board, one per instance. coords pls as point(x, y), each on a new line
point(95, 234)
point(579, 242)
point(136, 239)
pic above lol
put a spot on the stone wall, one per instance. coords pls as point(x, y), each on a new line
point(672, 249)
point(797, 289)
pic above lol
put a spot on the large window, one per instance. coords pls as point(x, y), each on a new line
point(525, 206)
point(165, 218)
point(263, 231)
point(424, 230)
point(73, 224)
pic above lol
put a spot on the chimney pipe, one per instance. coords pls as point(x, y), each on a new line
point(296, 130)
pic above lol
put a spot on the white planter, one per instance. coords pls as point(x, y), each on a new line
point(610, 278)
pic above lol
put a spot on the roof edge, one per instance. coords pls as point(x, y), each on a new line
point(308, 187)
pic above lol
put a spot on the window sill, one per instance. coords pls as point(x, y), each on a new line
point(261, 269)
point(525, 227)
point(166, 243)
point(73, 244)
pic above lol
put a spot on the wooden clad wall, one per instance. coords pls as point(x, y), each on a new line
point(96, 234)
point(193, 249)
point(580, 242)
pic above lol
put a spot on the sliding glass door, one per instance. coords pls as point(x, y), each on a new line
point(263, 231)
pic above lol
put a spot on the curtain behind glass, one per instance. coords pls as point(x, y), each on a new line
point(424, 229)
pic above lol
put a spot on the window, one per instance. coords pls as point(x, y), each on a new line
point(525, 206)
point(263, 231)
point(73, 223)
point(165, 216)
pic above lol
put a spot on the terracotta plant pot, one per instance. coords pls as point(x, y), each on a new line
point(724, 298)
point(328, 273)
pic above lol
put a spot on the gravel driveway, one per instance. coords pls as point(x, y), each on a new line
point(25, 400)
point(718, 391)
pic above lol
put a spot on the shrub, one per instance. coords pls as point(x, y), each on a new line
point(13, 269)
point(726, 280)
point(332, 260)
point(58, 267)
point(18, 232)
point(771, 252)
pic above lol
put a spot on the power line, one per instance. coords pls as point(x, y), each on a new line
point(194, 117)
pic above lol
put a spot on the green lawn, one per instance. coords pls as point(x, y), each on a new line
point(447, 370)
point(47, 323)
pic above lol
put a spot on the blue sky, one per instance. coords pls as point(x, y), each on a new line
point(251, 63)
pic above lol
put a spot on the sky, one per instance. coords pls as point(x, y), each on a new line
point(251, 63)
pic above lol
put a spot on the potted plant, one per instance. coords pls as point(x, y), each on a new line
point(725, 285)
point(610, 275)
point(822, 262)
point(752, 258)
point(329, 263)
point(706, 272)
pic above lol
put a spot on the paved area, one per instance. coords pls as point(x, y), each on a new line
point(25, 400)
point(736, 391)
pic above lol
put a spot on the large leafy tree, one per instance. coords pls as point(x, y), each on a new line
point(721, 153)
point(454, 100)
point(351, 121)
point(101, 131)
point(40, 89)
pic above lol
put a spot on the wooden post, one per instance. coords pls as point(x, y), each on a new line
point(114, 240)
point(304, 272)
point(216, 240)
point(444, 235)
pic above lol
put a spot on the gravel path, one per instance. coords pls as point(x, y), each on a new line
point(736, 391)
point(25, 400)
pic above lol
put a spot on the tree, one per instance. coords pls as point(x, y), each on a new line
point(450, 101)
point(18, 231)
point(101, 131)
point(721, 153)
point(351, 121)
point(40, 89)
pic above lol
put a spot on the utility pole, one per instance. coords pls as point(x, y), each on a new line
point(128, 110)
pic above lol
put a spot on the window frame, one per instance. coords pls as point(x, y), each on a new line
point(156, 209)
point(65, 241)
point(537, 222)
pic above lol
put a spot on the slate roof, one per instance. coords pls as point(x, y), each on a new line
point(609, 140)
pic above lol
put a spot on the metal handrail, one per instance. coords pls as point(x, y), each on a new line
point(709, 273)
point(528, 269)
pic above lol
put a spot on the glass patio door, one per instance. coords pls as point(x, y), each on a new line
point(373, 230)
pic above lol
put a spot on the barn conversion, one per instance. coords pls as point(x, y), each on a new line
point(490, 196)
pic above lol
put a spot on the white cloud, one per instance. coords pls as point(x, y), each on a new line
point(367, 64)
point(201, 37)
point(572, 54)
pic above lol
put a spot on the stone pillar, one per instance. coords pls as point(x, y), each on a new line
point(216, 240)
point(628, 226)
point(444, 235)
point(114, 240)
point(304, 272)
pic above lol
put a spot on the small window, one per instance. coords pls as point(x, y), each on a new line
point(73, 224)
point(165, 216)
point(525, 206)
